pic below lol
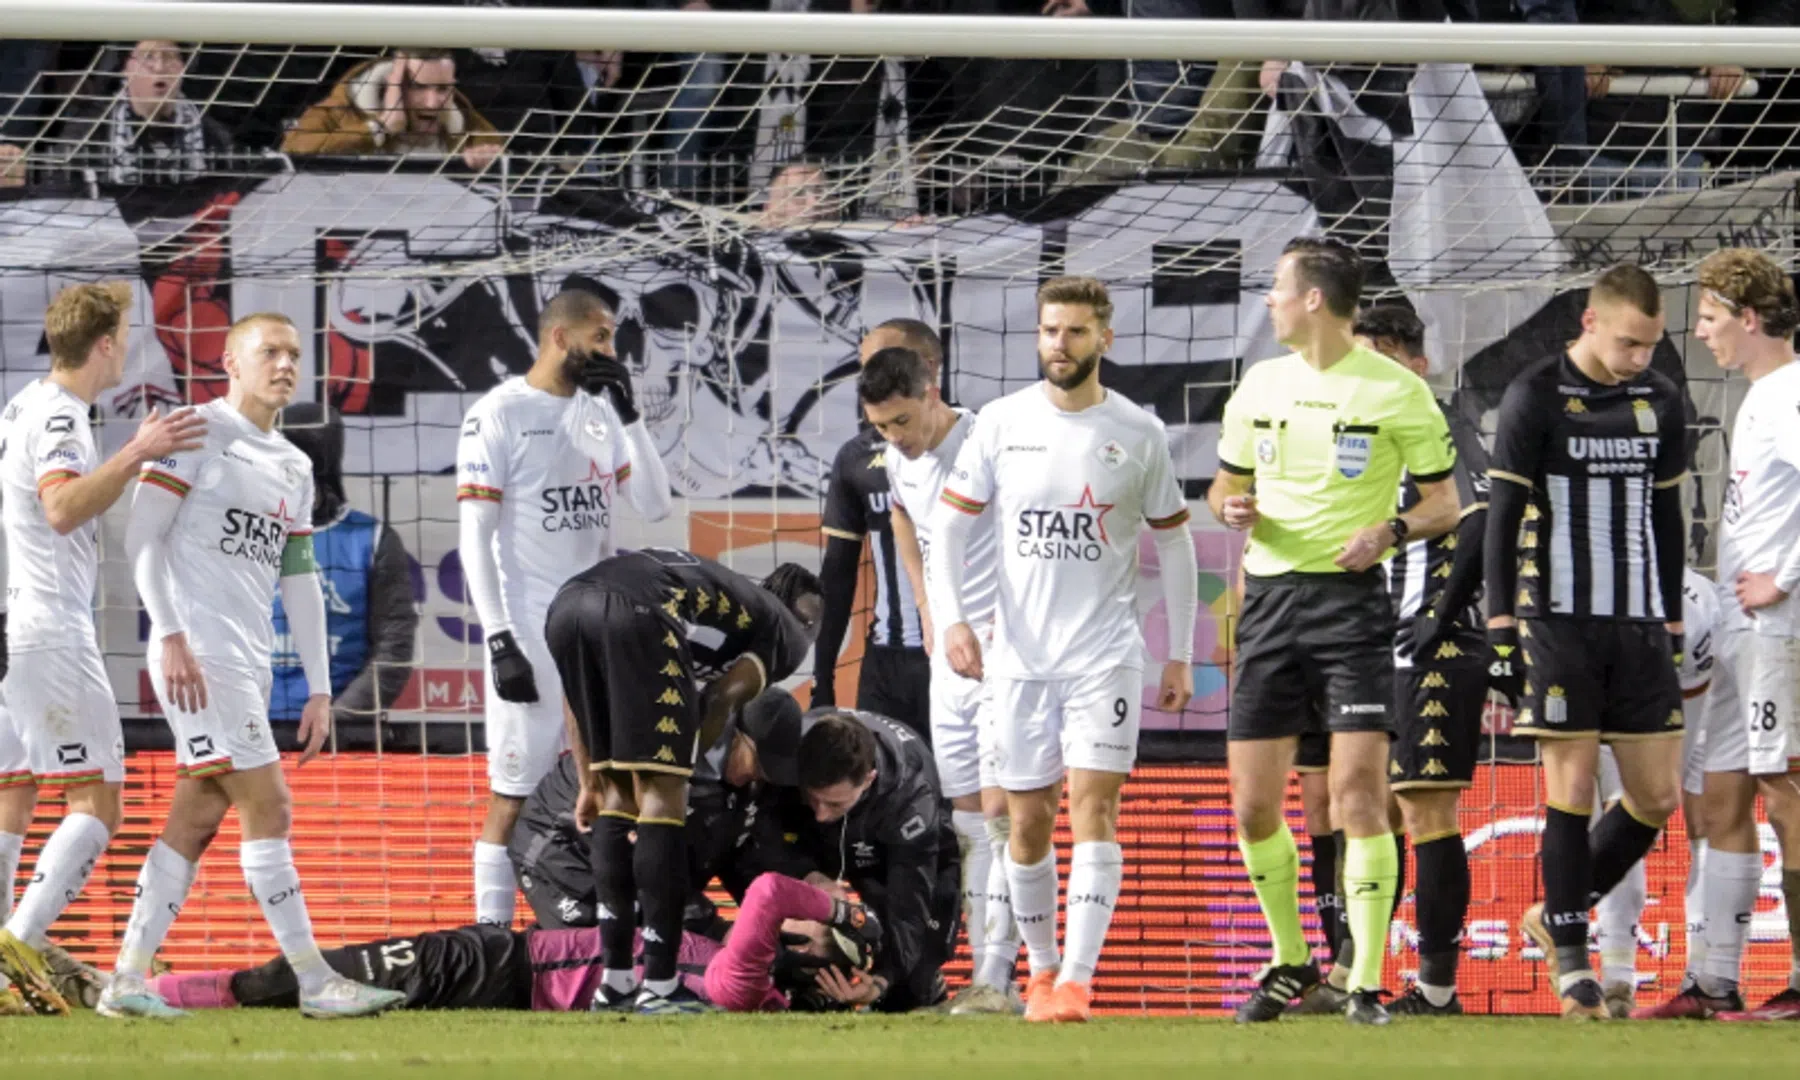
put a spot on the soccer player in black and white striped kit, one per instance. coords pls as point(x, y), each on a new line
point(1589, 454)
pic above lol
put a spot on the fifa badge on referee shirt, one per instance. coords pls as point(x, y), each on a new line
point(1354, 446)
point(1646, 416)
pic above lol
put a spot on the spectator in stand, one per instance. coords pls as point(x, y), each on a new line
point(1630, 135)
point(147, 132)
point(1167, 92)
point(371, 621)
point(22, 101)
point(405, 104)
point(797, 198)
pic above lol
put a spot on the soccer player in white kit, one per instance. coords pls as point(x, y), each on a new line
point(1617, 914)
point(212, 533)
point(900, 396)
point(539, 467)
point(64, 717)
point(1747, 317)
point(1071, 472)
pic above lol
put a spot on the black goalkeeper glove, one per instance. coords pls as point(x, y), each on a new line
point(1506, 663)
point(1428, 632)
point(604, 374)
point(513, 679)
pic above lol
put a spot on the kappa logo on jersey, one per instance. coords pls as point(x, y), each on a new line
point(259, 537)
point(1075, 531)
point(586, 505)
point(59, 425)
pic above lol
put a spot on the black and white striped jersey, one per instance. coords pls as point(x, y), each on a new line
point(1592, 457)
point(1419, 569)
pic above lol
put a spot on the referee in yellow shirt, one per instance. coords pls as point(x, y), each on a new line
point(1310, 459)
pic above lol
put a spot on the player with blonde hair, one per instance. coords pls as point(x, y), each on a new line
point(64, 724)
point(212, 534)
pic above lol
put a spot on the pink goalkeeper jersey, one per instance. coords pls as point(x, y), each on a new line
point(565, 966)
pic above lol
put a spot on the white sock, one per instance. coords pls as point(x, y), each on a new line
point(1732, 881)
point(619, 982)
point(1034, 909)
point(1095, 870)
point(62, 870)
point(1794, 974)
point(163, 886)
point(1616, 922)
point(663, 987)
point(1694, 904)
point(269, 871)
point(11, 846)
point(1000, 938)
point(977, 856)
point(496, 890)
point(1437, 995)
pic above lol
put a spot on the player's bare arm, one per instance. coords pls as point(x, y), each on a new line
point(740, 684)
point(303, 599)
point(70, 505)
point(587, 803)
point(1230, 500)
point(906, 543)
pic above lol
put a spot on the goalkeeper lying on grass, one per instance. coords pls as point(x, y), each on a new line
point(792, 946)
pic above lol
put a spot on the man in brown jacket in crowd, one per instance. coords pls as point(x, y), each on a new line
point(405, 104)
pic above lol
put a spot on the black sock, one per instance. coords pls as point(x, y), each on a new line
point(661, 867)
point(1617, 843)
point(1324, 881)
point(1399, 874)
point(614, 889)
point(1568, 874)
point(272, 985)
point(1442, 905)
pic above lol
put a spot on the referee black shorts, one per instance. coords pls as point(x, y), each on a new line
point(628, 678)
point(1314, 653)
point(1609, 677)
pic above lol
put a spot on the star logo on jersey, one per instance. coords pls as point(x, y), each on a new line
point(1111, 455)
point(282, 514)
point(578, 506)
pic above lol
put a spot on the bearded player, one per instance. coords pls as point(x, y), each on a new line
point(1073, 473)
point(211, 536)
point(539, 468)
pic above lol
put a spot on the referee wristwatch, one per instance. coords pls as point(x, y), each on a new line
point(1398, 526)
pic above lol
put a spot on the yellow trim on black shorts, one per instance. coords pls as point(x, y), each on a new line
point(1639, 736)
point(1673, 481)
point(642, 766)
point(839, 533)
point(1514, 477)
point(1540, 733)
point(1431, 785)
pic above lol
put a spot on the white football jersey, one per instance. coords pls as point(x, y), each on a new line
point(1070, 494)
point(243, 493)
point(916, 486)
point(1699, 619)
point(1760, 521)
point(554, 465)
point(46, 441)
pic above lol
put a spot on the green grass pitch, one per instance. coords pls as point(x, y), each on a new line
point(265, 1045)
